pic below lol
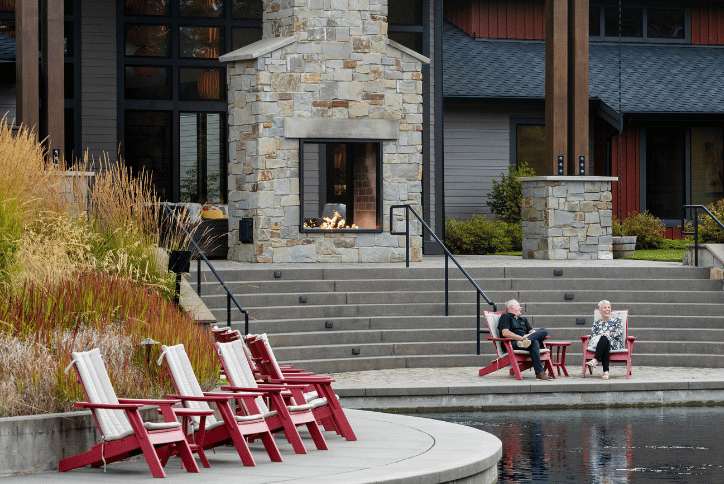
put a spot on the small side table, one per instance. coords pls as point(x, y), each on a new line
point(558, 360)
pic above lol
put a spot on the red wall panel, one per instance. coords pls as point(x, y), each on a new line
point(625, 191)
point(707, 24)
point(498, 19)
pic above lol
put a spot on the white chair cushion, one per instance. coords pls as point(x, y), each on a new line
point(237, 369)
point(94, 377)
point(185, 380)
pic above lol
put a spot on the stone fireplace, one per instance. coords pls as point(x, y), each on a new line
point(325, 134)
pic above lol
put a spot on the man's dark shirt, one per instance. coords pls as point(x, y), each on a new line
point(519, 326)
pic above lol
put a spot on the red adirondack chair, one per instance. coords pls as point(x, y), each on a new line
point(212, 432)
point(123, 432)
point(283, 416)
point(519, 360)
point(330, 414)
point(618, 356)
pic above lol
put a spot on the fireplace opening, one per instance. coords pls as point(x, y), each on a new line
point(340, 185)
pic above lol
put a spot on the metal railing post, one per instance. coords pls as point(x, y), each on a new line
point(696, 237)
point(228, 309)
point(478, 323)
point(447, 288)
point(407, 235)
point(198, 274)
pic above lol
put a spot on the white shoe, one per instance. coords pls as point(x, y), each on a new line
point(592, 363)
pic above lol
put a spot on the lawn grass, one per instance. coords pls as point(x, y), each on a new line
point(664, 255)
point(518, 254)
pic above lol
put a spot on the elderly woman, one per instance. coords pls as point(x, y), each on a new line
point(606, 335)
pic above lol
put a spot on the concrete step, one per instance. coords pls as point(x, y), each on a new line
point(478, 273)
point(395, 316)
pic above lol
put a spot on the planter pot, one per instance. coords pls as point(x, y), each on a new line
point(624, 246)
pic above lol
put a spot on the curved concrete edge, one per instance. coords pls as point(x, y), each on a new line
point(390, 449)
point(536, 395)
point(458, 454)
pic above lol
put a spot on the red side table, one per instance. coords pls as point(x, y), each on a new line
point(558, 360)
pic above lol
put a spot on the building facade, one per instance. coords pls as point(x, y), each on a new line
point(142, 79)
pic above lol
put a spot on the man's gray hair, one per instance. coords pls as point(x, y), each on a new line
point(510, 303)
point(605, 301)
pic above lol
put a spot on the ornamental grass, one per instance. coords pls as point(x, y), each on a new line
point(81, 267)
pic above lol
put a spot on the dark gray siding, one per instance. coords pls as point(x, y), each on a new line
point(477, 151)
point(98, 77)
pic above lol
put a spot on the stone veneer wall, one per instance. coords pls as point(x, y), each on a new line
point(567, 217)
point(341, 68)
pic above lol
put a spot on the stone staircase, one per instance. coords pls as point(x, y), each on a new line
point(394, 317)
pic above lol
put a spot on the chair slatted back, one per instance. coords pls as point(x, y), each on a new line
point(97, 387)
point(185, 379)
point(619, 313)
point(237, 369)
point(492, 319)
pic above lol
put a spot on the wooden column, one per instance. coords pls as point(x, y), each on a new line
point(556, 105)
point(578, 125)
point(27, 47)
point(52, 73)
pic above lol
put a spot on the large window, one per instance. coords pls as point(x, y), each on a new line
point(405, 23)
point(665, 171)
point(639, 24)
point(340, 185)
point(528, 144)
point(171, 82)
point(707, 165)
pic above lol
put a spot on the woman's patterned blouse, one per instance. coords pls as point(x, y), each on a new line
point(614, 327)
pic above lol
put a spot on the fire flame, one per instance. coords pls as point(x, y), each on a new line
point(337, 222)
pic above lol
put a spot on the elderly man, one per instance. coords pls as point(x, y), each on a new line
point(513, 325)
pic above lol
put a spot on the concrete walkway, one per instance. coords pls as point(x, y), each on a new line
point(434, 389)
point(389, 449)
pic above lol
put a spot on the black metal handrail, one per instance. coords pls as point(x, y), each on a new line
point(695, 233)
point(479, 291)
point(229, 296)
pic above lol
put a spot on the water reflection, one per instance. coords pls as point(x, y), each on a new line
point(662, 445)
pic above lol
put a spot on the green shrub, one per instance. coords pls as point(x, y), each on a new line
point(514, 233)
point(507, 196)
point(477, 236)
point(709, 230)
point(649, 230)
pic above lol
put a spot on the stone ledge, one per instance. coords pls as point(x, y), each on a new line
point(375, 129)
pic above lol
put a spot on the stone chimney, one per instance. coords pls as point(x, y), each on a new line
point(325, 118)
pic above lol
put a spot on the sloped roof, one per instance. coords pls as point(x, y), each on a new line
point(655, 78)
point(7, 48)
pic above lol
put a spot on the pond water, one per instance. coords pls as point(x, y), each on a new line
point(640, 445)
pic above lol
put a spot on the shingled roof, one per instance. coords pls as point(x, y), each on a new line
point(655, 78)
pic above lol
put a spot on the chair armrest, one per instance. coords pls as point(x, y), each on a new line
point(584, 338)
point(109, 406)
point(500, 339)
point(304, 379)
point(261, 391)
point(631, 338)
point(231, 396)
point(143, 401)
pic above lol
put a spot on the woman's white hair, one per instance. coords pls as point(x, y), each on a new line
point(605, 301)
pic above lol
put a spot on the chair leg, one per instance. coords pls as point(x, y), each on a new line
point(233, 429)
point(317, 436)
point(271, 447)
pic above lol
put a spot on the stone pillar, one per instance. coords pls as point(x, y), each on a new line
point(567, 217)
